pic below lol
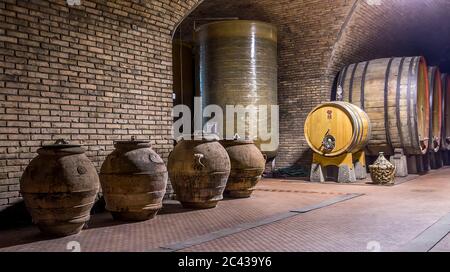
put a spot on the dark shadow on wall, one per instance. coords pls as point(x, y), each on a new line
point(398, 34)
point(334, 88)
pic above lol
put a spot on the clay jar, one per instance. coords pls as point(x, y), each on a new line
point(247, 166)
point(199, 169)
point(59, 188)
point(134, 180)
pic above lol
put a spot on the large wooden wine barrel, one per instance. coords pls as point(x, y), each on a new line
point(134, 180)
point(445, 143)
point(434, 79)
point(394, 93)
point(335, 128)
point(59, 188)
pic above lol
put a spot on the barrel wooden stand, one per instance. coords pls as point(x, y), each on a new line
point(435, 160)
point(359, 162)
point(445, 157)
point(417, 164)
point(347, 171)
point(400, 162)
point(427, 161)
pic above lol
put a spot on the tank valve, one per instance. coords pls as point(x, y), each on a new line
point(328, 143)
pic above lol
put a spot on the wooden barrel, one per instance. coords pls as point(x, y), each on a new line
point(445, 143)
point(59, 188)
point(335, 128)
point(134, 180)
point(198, 171)
point(247, 166)
point(434, 79)
point(394, 93)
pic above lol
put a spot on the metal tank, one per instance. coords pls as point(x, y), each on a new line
point(237, 65)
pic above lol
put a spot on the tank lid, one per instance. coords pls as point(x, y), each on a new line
point(62, 145)
point(236, 28)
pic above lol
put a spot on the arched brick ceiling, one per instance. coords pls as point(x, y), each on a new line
point(396, 28)
point(380, 29)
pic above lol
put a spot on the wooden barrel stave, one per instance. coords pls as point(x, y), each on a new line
point(434, 79)
point(445, 143)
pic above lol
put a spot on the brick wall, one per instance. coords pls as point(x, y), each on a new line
point(91, 74)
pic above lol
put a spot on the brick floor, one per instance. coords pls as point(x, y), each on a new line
point(443, 245)
point(172, 225)
point(386, 216)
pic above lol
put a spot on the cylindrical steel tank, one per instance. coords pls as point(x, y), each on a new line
point(59, 188)
point(237, 65)
point(134, 180)
point(198, 171)
point(247, 167)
